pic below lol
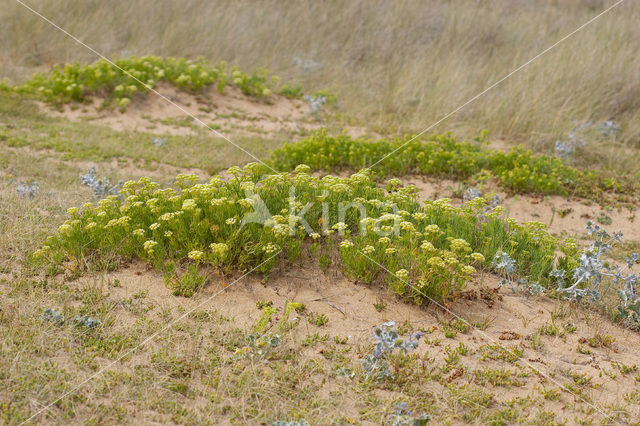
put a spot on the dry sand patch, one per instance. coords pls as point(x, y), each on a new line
point(561, 214)
point(512, 321)
point(231, 112)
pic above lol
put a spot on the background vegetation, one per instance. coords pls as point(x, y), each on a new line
point(398, 66)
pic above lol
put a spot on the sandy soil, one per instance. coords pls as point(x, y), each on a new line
point(231, 113)
point(511, 322)
point(562, 215)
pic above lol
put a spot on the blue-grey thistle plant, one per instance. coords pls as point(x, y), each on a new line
point(290, 423)
point(566, 149)
point(471, 194)
point(609, 128)
point(315, 104)
point(87, 322)
point(402, 416)
point(581, 126)
point(100, 186)
point(388, 340)
point(629, 308)
point(506, 266)
point(306, 64)
point(53, 316)
point(28, 189)
point(491, 203)
point(343, 371)
point(158, 141)
point(559, 275)
point(529, 289)
point(591, 271)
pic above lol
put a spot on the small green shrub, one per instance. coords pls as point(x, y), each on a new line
point(518, 171)
point(318, 319)
point(255, 84)
point(428, 249)
point(291, 92)
point(135, 76)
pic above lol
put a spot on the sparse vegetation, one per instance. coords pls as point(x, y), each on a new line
point(251, 295)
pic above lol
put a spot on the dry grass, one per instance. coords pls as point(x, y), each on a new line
point(396, 66)
point(193, 374)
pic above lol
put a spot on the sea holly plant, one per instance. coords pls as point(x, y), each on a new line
point(506, 266)
point(592, 270)
point(401, 416)
point(566, 148)
point(101, 186)
point(86, 322)
point(53, 316)
point(27, 189)
point(56, 318)
point(471, 194)
point(315, 104)
point(158, 141)
point(377, 365)
point(629, 308)
point(290, 423)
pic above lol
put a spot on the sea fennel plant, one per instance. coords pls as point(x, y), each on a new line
point(120, 81)
point(255, 219)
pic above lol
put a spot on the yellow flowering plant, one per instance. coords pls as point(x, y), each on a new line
point(376, 232)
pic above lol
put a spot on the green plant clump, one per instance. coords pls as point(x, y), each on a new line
point(257, 83)
point(76, 82)
point(518, 170)
point(254, 219)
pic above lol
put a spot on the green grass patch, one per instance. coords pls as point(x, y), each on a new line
point(23, 125)
point(518, 171)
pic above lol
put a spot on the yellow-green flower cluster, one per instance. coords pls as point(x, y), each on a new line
point(196, 255)
point(440, 246)
point(149, 246)
point(219, 249)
